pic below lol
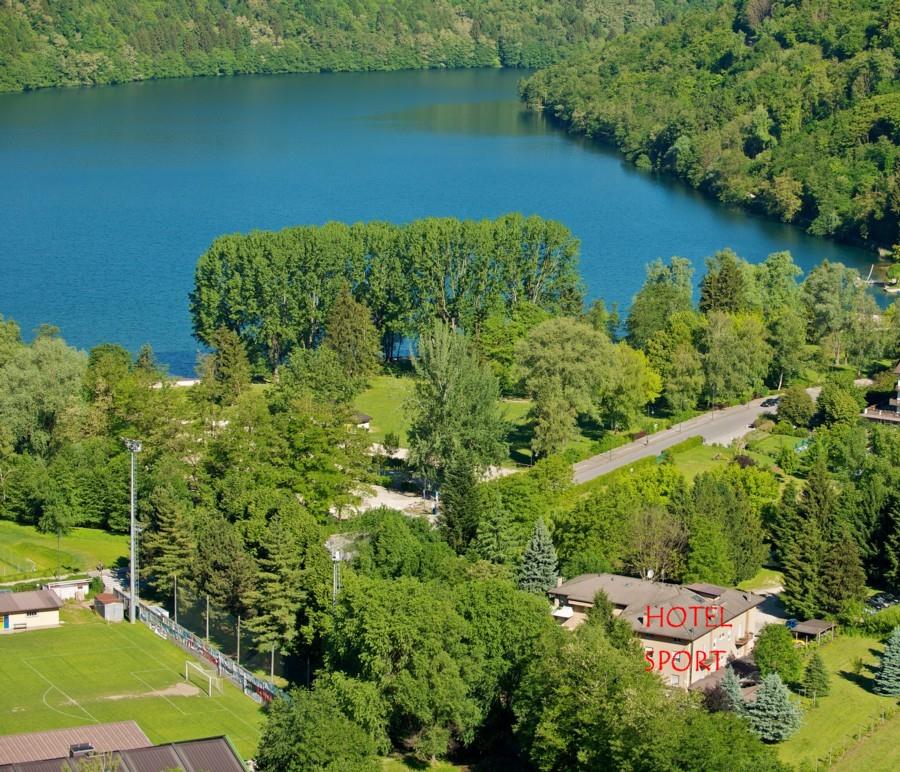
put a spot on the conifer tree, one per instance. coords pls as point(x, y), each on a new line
point(887, 680)
point(815, 678)
point(843, 577)
point(708, 557)
point(459, 505)
point(539, 563)
point(493, 540)
point(350, 333)
point(732, 699)
point(772, 715)
point(169, 544)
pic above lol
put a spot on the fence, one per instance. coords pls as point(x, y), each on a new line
point(834, 755)
point(156, 619)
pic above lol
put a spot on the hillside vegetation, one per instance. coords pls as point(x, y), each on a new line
point(789, 108)
point(73, 42)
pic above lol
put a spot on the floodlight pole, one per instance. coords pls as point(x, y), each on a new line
point(134, 447)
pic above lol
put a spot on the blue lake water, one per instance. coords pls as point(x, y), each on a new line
point(108, 195)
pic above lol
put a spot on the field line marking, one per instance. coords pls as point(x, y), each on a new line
point(150, 687)
point(54, 686)
point(153, 657)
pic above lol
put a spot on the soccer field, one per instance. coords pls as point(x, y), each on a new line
point(88, 672)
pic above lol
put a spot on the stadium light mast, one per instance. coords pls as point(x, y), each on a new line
point(134, 447)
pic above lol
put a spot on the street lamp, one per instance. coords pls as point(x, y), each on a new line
point(134, 447)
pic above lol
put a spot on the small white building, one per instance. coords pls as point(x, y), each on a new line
point(28, 610)
point(69, 589)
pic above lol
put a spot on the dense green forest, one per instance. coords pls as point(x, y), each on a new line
point(785, 107)
point(440, 642)
point(111, 41)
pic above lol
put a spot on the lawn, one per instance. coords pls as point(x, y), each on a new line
point(385, 400)
point(80, 550)
point(850, 707)
point(765, 579)
point(88, 672)
point(877, 753)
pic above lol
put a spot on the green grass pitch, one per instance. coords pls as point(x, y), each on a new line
point(88, 672)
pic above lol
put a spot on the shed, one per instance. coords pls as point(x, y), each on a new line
point(70, 589)
point(814, 628)
point(362, 420)
point(28, 610)
point(109, 606)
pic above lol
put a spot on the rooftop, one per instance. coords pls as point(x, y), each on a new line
point(633, 597)
point(208, 755)
point(39, 746)
point(33, 600)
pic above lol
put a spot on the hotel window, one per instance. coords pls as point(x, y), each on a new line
point(31, 613)
point(674, 680)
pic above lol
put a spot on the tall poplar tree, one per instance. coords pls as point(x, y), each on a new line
point(350, 333)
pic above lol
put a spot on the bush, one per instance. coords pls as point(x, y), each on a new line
point(785, 429)
point(796, 406)
point(775, 653)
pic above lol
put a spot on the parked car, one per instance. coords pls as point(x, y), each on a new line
point(770, 402)
point(791, 623)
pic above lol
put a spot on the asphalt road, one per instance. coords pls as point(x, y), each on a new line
point(717, 427)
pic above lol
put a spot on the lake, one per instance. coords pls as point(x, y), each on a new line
point(109, 194)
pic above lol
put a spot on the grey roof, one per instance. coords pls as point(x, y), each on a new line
point(634, 596)
point(37, 746)
point(702, 588)
point(33, 600)
point(214, 754)
point(813, 627)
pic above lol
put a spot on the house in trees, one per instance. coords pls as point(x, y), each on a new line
point(890, 413)
point(687, 632)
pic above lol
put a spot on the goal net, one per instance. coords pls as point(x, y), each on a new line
point(203, 677)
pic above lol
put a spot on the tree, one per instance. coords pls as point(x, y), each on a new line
point(656, 542)
point(555, 420)
point(787, 339)
point(667, 291)
point(537, 573)
point(772, 715)
point(830, 293)
point(349, 332)
point(292, 579)
point(317, 373)
point(843, 577)
point(168, 545)
point(796, 406)
point(887, 679)
point(454, 408)
point(815, 677)
point(225, 373)
point(708, 555)
point(310, 731)
point(627, 384)
point(775, 653)
point(459, 505)
point(683, 384)
point(723, 288)
point(839, 404)
point(730, 687)
point(736, 356)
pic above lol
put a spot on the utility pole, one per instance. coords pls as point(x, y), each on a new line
point(238, 657)
point(207, 618)
point(134, 447)
point(175, 599)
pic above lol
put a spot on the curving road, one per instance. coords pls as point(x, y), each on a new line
point(718, 427)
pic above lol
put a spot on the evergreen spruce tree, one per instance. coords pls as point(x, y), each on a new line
point(539, 563)
point(459, 505)
point(815, 678)
point(732, 699)
point(843, 577)
point(887, 681)
point(493, 539)
point(773, 716)
point(168, 545)
point(350, 333)
point(709, 558)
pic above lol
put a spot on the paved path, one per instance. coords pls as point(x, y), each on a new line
point(716, 427)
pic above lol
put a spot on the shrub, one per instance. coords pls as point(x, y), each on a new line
point(775, 653)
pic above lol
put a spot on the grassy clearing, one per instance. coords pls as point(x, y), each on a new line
point(88, 672)
point(80, 550)
point(877, 753)
point(765, 579)
point(385, 401)
point(850, 707)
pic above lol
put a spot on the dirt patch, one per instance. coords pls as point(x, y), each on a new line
point(180, 689)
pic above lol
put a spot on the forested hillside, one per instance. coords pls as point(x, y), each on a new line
point(46, 43)
point(788, 108)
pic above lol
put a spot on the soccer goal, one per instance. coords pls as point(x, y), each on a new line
point(203, 677)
